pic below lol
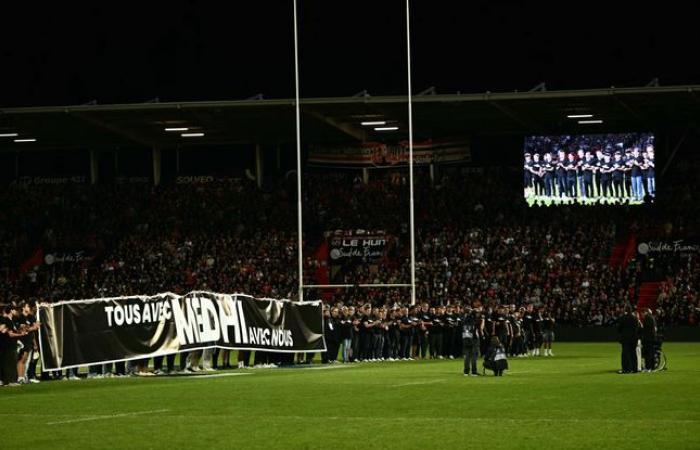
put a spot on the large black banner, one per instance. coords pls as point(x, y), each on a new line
point(82, 332)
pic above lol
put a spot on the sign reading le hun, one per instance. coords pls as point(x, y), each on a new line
point(83, 332)
point(356, 245)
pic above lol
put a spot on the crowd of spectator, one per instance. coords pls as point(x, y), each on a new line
point(476, 240)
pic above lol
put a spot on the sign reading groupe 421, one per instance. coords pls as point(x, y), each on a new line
point(97, 331)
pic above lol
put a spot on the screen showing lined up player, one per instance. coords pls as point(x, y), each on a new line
point(589, 169)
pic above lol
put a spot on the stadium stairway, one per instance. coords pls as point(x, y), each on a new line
point(623, 251)
point(648, 294)
point(618, 254)
point(322, 273)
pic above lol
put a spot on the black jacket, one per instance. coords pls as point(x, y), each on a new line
point(628, 328)
point(649, 328)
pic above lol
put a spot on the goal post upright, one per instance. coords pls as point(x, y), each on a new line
point(300, 234)
point(410, 155)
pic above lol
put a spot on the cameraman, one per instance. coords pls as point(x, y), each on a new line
point(472, 331)
point(649, 337)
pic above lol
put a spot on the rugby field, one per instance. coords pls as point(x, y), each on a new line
point(572, 400)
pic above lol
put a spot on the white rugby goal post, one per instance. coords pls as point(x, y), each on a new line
point(300, 238)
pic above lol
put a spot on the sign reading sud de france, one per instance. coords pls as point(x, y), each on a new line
point(356, 245)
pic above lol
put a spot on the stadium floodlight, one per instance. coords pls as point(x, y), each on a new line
point(386, 128)
point(588, 122)
point(579, 116)
point(192, 134)
point(373, 122)
point(8, 135)
point(26, 140)
point(177, 129)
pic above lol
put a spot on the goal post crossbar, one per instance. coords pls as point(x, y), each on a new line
point(362, 285)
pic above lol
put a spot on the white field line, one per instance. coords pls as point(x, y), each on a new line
point(477, 419)
point(213, 375)
point(107, 417)
point(316, 368)
point(418, 383)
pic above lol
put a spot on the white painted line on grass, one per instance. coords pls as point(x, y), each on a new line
point(213, 375)
point(418, 383)
point(107, 417)
point(323, 367)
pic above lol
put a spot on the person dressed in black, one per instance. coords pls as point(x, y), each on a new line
point(528, 330)
point(356, 318)
point(472, 331)
point(588, 168)
point(366, 335)
point(560, 165)
point(627, 159)
point(426, 322)
point(31, 341)
point(547, 169)
point(394, 334)
point(517, 346)
point(495, 358)
point(346, 331)
point(406, 335)
point(605, 169)
point(9, 334)
point(501, 326)
point(649, 164)
point(485, 338)
point(26, 323)
point(571, 173)
point(378, 334)
point(537, 332)
point(628, 329)
point(527, 175)
point(436, 332)
point(597, 162)
point(536, 170)
point(548, 333)
point(618, 175)
point(331, 335)
point(649, 337)
point(448, 338)
point(457, 351)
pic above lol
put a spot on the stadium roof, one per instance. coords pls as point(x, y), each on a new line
point(334, 120)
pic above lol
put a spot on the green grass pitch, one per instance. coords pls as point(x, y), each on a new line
point(572, 400)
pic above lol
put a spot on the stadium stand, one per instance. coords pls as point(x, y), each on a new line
point(78, 241)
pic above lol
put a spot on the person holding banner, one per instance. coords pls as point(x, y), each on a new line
point(170, 324)
point(9, 335)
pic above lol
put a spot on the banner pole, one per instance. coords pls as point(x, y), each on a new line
point(300, 238)
point(410, 156)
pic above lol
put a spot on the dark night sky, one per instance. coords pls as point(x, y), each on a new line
point(190, 50)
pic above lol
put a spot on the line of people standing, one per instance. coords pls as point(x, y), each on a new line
point(591, 174)
point(369, 333)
